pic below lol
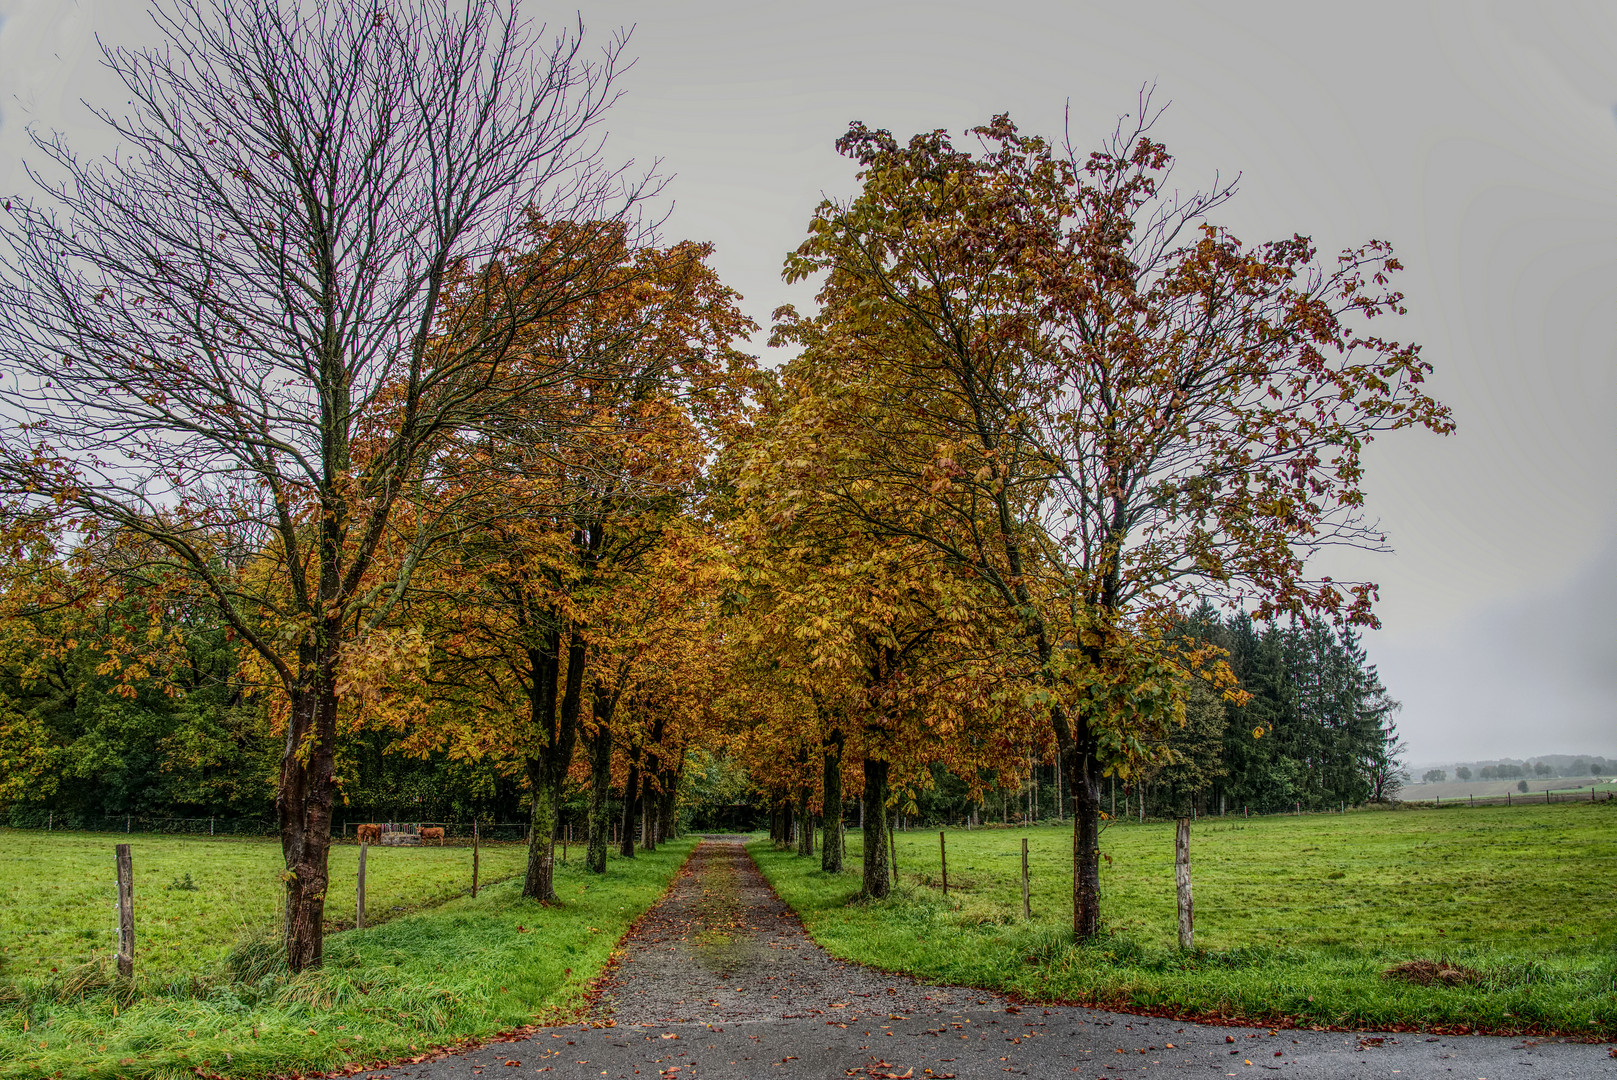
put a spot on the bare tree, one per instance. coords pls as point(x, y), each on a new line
point(235, 337)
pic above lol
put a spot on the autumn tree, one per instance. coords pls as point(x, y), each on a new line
point(528, 608)
point(856, 648)
point(199, 330)
point(1070, 384)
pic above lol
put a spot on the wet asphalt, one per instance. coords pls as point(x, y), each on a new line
point(720, 980)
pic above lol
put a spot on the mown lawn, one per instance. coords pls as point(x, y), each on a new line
point(1297, 918)
point(219, 999)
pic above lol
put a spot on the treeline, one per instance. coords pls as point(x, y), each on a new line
point(192, 740)
point(1315, 732)
point(1540, 769)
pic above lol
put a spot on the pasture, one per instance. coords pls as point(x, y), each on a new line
point(211, 994)
point(1297, 918)
point(194, 896)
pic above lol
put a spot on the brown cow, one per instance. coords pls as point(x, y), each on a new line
point(433, 834)
point(370, 834)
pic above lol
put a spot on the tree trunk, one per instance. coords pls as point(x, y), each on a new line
point(303, 805)
point(805, 824)
point(547, 769)
point(600, 784)
point(650, 803)
point(831, 810)
point(877, 884)
point(1083, 776)
point(631, 801)
point(667, 823)
point(649, 792)
point(540, 881)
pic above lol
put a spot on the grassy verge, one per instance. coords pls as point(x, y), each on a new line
point(461, 970)
point(1297, 918)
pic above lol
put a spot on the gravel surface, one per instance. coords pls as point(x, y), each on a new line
point(721, 948)
point(720, 980)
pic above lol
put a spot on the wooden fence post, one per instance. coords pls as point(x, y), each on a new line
point(1181, 876)
point(359, 888)
point(474, 860)
point(943, 860)
point(126, 911)
point(1027, 905)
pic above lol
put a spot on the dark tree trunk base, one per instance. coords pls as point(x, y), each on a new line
point(831, 815)
point(878, 883)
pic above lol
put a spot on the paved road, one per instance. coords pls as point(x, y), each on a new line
point(721, 981)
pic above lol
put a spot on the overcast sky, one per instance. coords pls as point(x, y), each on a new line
point(1480, 140)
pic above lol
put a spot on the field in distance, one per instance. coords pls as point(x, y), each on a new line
point(194, 896)
point(1498, 789)
point(1297, 918)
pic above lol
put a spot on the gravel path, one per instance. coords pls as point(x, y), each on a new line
point(721, 948)
point(720, 980)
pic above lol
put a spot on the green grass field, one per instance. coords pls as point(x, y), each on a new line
point(211, 992)
point(58, 891)
point(1297, 918)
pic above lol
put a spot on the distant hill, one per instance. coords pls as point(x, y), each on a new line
point(1549, 767)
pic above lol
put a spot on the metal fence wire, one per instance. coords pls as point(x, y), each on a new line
point(343, 830)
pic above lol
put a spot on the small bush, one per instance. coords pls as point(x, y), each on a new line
point(183, 884)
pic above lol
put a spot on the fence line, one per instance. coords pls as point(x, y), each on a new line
point(131, 824)
point(343, 830)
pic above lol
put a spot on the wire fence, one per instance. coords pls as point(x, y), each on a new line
point(346, 830)
point(129, 824)
point(342, 830)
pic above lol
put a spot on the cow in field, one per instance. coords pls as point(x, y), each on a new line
point(433, 834)
point(370, 834)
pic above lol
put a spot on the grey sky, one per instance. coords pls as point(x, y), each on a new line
point(1480, 140)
